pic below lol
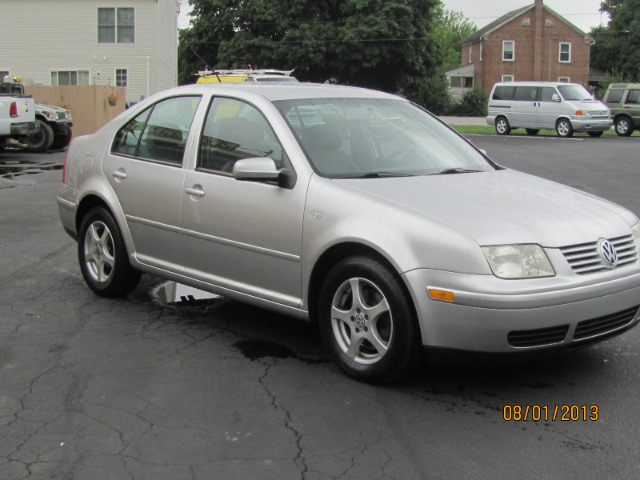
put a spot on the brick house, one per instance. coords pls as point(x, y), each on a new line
point(531, 43)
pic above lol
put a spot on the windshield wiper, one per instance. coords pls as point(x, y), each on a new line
point(383, 175)
point(449, 171)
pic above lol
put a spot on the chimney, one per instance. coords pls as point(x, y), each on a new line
point(538, 15)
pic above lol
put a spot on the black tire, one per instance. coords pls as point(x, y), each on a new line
point(564, 128)
point(374, 337)
point(502, 126)
point(42, 140)
point(103, 256)
point(62, 140)
point(623, 126)
point(532, 131)
point(595, 134)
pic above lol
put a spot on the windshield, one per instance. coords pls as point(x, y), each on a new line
point(367, 138)
point(574, 93)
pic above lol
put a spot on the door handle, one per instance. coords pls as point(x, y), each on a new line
point(119, 174)
point(195, 191)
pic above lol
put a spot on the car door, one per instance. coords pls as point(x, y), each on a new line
point(243, 236)
point(548, 108)
point(145, 169)
point(632, 106)
point(525, 107)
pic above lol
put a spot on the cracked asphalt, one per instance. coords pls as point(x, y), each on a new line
point(139, 388)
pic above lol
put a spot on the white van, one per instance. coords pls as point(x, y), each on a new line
point(563, 107)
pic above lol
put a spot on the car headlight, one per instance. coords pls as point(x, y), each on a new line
point(636, 233)
point(518, 261)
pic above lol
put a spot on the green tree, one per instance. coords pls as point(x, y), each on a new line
point(382, 44)
point(617, 47)
point(450, 28)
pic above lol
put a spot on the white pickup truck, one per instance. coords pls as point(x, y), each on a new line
point(17, 119)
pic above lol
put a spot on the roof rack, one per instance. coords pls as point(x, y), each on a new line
point(245, 72)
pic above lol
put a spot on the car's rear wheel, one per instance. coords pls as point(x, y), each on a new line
point(368, 321)
point(502, 126)
point(564, 128)
point(42, 140)
point(623, 126)
point(103, 256)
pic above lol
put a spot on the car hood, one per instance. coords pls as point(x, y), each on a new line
point(503, 207)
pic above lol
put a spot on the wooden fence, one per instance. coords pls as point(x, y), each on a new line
point(88, 103)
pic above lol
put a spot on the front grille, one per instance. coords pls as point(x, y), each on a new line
point(538, 337)
point(62, 115)
point(602, 325)
point(585, 259)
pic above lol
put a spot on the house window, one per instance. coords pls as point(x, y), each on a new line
point(116, 25)
point(461, 82)
point(69, 77)
point(564, 79)
point(508, 50)
point(508, 78)
point(565, 52)
point(121, 77)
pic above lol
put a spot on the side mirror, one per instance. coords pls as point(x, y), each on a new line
point(555, 97)
point(262, 169)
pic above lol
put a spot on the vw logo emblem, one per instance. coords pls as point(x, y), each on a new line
point(608, 253)
point(360, 321)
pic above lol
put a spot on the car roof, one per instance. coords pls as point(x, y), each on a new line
point(282, 91)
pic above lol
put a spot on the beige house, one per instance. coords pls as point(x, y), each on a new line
point(532, 43)
point(131, 44)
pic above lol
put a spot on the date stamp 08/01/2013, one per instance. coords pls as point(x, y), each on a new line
point(546, 413)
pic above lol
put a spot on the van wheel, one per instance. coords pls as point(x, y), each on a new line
point(564, 128)
point(596, 134)
point(623, 126)
point(502, 126)
point(532, 131)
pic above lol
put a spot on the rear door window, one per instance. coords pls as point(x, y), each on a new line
point(633, 97)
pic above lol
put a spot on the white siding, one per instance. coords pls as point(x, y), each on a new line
point(62, 35)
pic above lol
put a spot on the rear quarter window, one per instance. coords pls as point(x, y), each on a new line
point(503, 93)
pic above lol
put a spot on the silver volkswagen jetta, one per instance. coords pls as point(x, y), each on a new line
point(355, 209)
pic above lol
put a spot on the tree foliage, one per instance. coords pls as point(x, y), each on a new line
point(617, 47)
point(382, 44)
point(450, 28)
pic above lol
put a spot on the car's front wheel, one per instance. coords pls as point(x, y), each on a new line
point(564, 128)
point(623, 126)
point(368, 321)
point(42, 140)
point(103, 256)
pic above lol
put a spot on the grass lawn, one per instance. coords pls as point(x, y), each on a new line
point(488, 130)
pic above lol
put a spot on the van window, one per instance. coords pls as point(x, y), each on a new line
point(527, 94)
point(503, 93)
point(615, 96)
point(546, 94)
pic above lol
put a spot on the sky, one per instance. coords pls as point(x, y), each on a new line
point(582, 13)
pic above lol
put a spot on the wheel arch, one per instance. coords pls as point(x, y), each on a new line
point(92, 200)
point(337, 253)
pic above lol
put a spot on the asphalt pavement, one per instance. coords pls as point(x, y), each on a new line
point(157, 387)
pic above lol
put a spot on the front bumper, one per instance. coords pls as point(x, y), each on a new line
point(587, 124)
point(494, 315)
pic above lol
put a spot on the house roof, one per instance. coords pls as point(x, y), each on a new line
point(507, 17)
